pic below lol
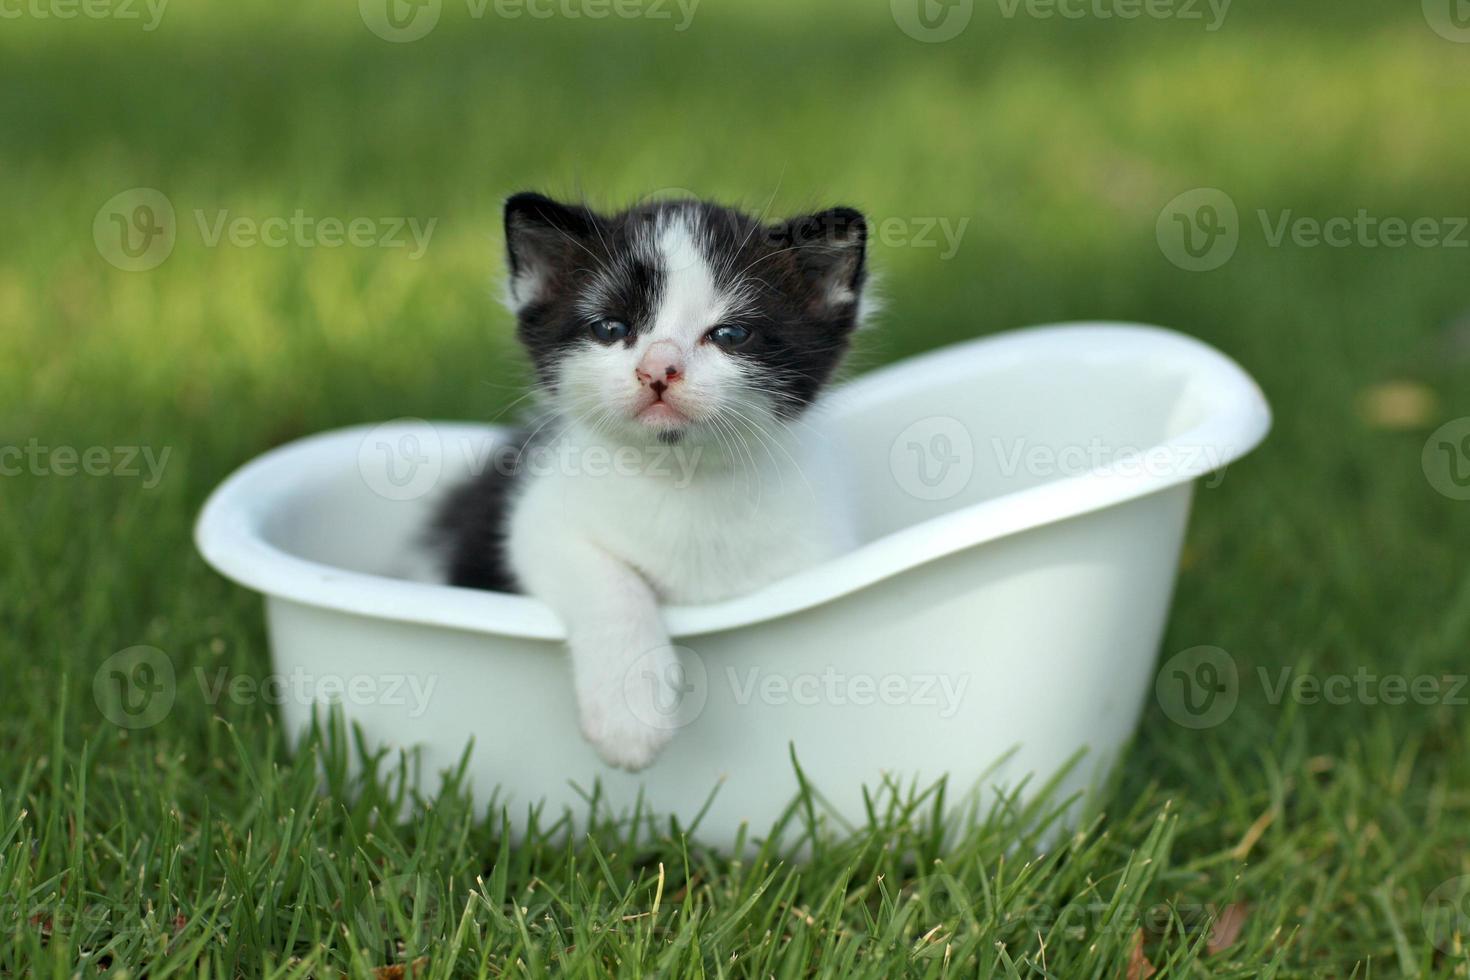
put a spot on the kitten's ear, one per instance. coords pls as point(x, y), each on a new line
point(543, 238)
point(831, 249)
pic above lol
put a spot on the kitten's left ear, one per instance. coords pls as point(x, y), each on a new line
point(831, 249)
point(543, 240)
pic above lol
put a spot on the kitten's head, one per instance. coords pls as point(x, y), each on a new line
point(682, 316)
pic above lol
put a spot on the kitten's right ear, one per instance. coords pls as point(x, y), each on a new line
point(543, 238)
point(831, 249)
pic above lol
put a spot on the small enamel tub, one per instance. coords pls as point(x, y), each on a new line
point(1022, 503)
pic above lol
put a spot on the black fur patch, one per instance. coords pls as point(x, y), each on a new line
point(470, 526)
point(801, 282)
point(803, 279)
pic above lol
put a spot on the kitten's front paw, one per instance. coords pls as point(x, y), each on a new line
point(628, 719)
point(621, 739)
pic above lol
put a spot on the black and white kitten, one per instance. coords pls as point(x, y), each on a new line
point(677, 344)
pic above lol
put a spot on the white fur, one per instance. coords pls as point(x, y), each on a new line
point(604, 550)
point(740, 501)
point(691, 303)
point(600, 383)
point(521, 289)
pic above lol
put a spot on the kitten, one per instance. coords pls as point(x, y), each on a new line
point(676, 346)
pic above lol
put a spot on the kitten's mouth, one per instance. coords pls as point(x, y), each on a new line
point(660, 414)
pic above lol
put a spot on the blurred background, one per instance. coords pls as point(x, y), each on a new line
point(231, 224)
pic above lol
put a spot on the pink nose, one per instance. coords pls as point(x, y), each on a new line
point(661, 366)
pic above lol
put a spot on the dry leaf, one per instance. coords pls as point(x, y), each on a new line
point(1227, 928)
point(1139, 968)
point(400, 972)
point(1188, 558)
point(1398, 406)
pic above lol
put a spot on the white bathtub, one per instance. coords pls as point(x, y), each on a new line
point(1022, 504)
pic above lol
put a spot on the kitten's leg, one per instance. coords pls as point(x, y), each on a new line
point(623, 667)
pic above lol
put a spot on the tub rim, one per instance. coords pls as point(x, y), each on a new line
point(228, 531)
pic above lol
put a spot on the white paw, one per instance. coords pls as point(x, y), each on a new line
point(622, 740)
point(617, 732)
point(630, 719)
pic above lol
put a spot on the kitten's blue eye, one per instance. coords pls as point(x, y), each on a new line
point(728, 335)
point(611, 331)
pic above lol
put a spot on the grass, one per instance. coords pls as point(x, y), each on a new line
point(201, 845)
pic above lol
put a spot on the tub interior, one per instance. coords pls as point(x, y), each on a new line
point(1028, 421)
point(1026, 424)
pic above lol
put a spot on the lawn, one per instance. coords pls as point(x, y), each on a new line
point(1318, 829)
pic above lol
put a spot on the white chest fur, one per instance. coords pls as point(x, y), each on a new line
point(698, 521)
point(603, 534)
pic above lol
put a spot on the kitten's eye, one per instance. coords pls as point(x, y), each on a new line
point(728, 335)
point(611, 331)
